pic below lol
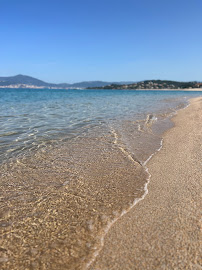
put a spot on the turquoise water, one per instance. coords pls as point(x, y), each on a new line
point(32, 118)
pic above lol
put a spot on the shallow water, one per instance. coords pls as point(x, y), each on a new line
point(63, 186)
point(31, 118)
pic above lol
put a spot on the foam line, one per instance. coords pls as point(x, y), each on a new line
point(107, 228)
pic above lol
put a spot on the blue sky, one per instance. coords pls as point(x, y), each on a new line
point(111, 40)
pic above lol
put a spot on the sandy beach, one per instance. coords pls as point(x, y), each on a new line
point(163, 230)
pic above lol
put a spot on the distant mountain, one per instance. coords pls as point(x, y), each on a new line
point(30, 82)
point(21, 79)
point(95, 84)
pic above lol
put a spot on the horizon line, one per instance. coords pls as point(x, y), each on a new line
point(99, 80)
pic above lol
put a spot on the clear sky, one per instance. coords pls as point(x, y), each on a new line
point(111, 40)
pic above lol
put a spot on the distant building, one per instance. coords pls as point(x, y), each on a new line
point(199, 85)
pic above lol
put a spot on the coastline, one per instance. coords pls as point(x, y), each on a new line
point(163, 230)
point(80, 88)
point(186, 89)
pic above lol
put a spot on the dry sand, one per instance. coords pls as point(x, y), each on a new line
point(163, 230)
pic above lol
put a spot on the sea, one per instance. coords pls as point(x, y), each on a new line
point(72, 162)
point(32, 118)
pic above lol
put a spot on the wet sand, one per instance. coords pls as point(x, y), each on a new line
point(163, 230)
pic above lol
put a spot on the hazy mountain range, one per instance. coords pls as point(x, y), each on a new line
point(30, 82)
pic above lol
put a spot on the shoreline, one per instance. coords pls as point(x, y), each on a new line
point(158, 90)
point(72, 197)
point(136, 201)
point(175, 90)
point(142, 239)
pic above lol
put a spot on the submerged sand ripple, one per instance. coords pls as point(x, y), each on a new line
point(55, 205)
